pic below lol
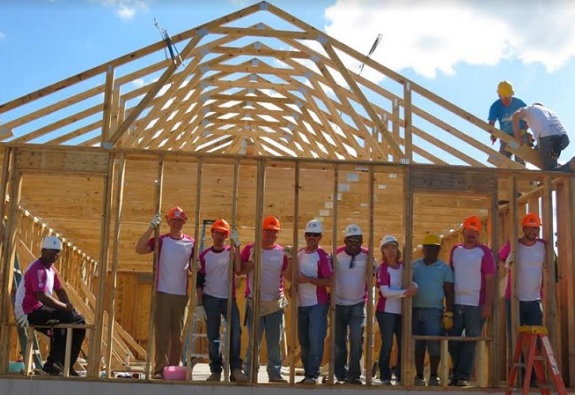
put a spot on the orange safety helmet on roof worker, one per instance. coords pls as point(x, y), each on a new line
point(176, 213)
point(271, 223)
point(221, 225)
point(531, 220)
point(505, 89)
point(472, 223)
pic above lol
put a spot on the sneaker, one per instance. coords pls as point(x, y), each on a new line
point(462, 383)
point(51, 369)
point(158, 376)
point(276, 378)
point(237, 376)
point(74, 373)
point(355, 382)
point(309, 381)
point(420, 381)
point(434, 381)
point(386, 382)
point(340, 381)
point(214, 377)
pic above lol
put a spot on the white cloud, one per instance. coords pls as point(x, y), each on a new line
point(125, 9)
point(2, 36)
point(434, 36)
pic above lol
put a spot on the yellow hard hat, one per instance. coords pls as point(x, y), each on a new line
point(431, 239)
point(505, 89)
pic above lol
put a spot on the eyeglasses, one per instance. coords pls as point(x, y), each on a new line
point(354, 240)
point(312, 234)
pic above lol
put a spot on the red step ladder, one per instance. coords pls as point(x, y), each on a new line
point(528, 336)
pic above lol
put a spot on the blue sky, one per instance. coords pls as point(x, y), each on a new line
point(459, 50)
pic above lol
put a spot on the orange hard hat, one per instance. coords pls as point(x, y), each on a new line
point(271, 223)
point(472, 223)
point(221, 225)
point(531, 220)
point(176, 213)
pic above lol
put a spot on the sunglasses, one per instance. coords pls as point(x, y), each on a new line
point(312, 234)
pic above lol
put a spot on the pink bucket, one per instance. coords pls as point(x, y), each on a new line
point(175, 373)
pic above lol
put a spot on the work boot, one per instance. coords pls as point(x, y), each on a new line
point(215, 377)
point(238, 377)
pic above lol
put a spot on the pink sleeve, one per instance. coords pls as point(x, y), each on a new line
point(504, 251)
point(451, 256)
point(382, 275)
point(325, 268)
point(202, 260)
point(487, 262)
point(285, 264)
point(245, 255)
point(36, 281)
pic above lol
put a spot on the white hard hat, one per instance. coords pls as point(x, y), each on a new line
point(314, 226)
point(352, 230)
point(386, 240)
point(52, 243)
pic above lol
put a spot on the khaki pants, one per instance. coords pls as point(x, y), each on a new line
point(169, 320)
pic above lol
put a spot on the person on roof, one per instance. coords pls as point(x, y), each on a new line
point(501, 110)
point(548, 131)
point(315, 275)
point(473, 267)
point(350, 297)
point(175, 252)
point(388, 310)
point(35, 304)
point(432, 306)
point(272, 303)
point(529, 258)
point(213, 286)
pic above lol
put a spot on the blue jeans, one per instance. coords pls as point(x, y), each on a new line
point(466, 318)
point(427, 322)
point(216, 308)
point(389, 325)
point(352, 317)
point(312, 328)
point(273, 325)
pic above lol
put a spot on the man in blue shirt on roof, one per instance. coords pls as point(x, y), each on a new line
point(501, 110)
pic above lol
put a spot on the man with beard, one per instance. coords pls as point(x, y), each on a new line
point(473, 267)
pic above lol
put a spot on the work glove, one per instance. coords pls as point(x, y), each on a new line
point(201, 313)
point(156, 221)
point(493, 139)
point(447, 322)
point(252, 254)
point(288, 250)
point(235, 238)
point(510, 259)
point(22, 321)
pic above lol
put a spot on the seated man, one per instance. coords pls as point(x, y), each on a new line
point(36, 305)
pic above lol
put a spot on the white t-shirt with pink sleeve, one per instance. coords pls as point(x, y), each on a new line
point(37, 278)
point(274, 263)
point(316, 264)
point(392, 278)
point(214, 265)
point(351, 287)
point(530, 261)
point(470, 266)
point(173, 264)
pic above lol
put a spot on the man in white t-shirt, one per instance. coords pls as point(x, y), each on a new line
point(315, 275)
point(175, 252)
point(274, 267)
point(548, 131)
point(529, 259)
point(473, 268)
point(213, 287)
point(350, 296)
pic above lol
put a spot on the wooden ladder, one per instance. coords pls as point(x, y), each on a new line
point(528, 337)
